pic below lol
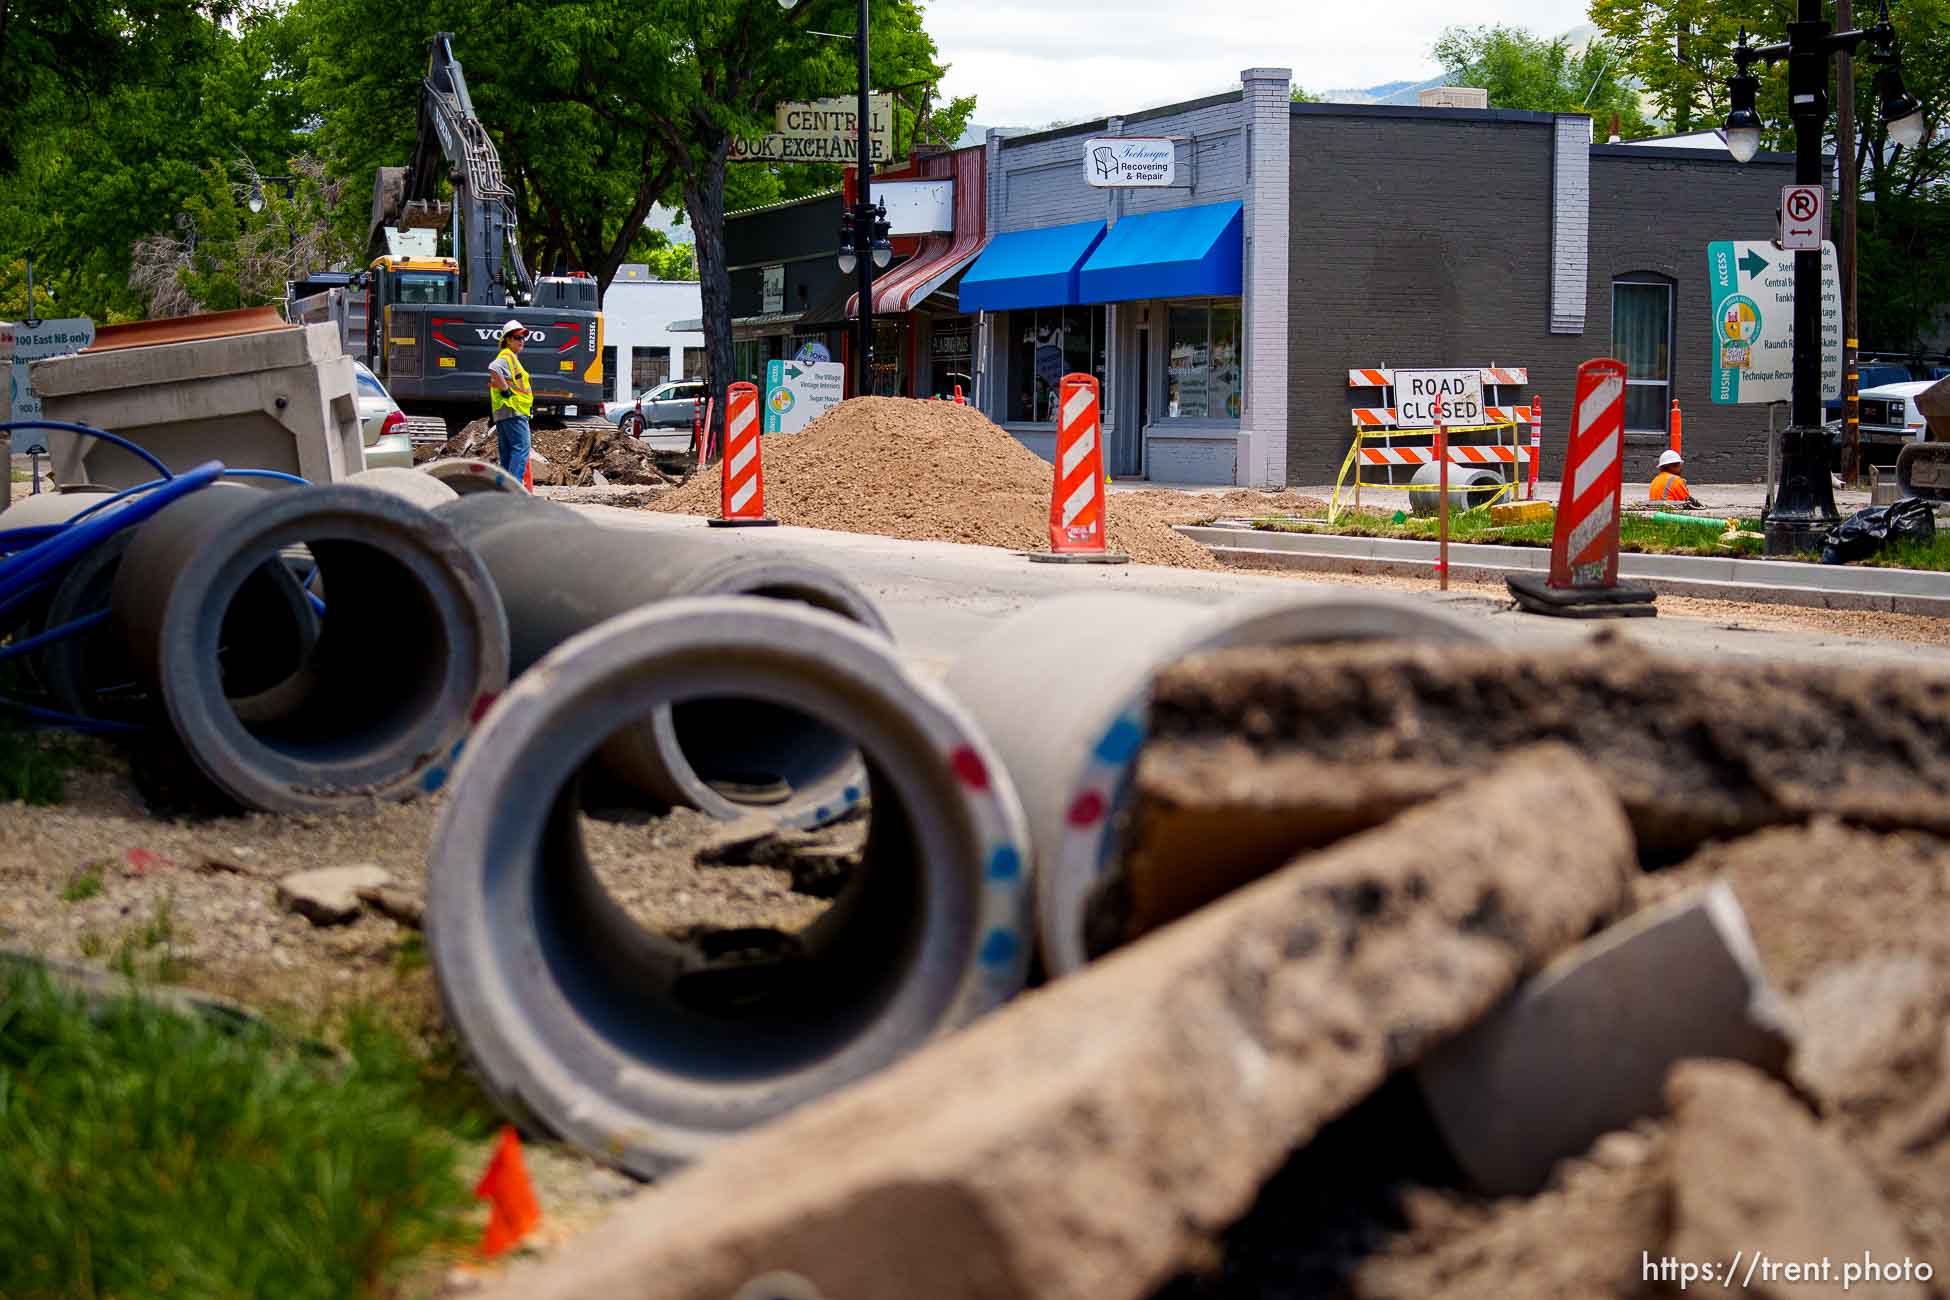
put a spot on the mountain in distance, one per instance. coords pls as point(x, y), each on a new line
point(1410, 92)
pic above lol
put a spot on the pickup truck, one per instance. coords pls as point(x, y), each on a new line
point(1890, 420)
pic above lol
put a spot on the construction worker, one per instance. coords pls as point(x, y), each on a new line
point(1669, 485)
point(511, 398)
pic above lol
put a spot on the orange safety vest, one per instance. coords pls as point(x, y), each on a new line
point(1668, 486)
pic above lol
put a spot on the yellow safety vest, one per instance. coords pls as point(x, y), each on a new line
point(519, 400)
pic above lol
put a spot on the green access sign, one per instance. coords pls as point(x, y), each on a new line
point(1752, 285)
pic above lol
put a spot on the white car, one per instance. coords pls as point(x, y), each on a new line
point(381, 423)
point(669, 405)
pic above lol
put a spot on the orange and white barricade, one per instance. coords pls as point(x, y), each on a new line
point(1077, 522)
point(1376, 435)
point(741, 489)
point(1583, 581)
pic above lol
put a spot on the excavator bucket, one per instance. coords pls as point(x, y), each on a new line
point(1923, 468)
point(1934, 403)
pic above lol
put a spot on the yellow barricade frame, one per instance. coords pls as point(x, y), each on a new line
point(1353, 462)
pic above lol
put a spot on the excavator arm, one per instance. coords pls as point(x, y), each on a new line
point(409, 198)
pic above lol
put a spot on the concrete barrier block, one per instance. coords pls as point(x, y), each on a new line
point(1585, 1047)
point(1083, 1142)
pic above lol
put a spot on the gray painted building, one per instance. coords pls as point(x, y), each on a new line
point(1370, 237)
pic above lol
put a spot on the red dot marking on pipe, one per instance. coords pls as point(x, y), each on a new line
point(482, 705)
point(1088, 809)
point(969, 767)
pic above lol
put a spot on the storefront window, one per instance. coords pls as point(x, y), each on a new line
point(693, 363)
point(648, 368)
point(1204, 376)
point(1047, 344)
point(1641, 332)
point(609, 374)
point(887, 358)
point(951, 354)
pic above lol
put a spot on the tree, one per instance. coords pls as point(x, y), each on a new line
point(1681, 51)
point(1524, 71)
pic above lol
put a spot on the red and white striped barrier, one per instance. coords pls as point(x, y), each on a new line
point(741, 488)
point(1584, 552)
point(1076, 503)
point(1383, 417)
point(1499, 376)
point(1457, 455)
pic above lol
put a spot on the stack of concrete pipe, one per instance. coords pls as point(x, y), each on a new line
point(584, 1024)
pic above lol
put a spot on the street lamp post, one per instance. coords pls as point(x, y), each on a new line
point(1804, 506)
point(864, 243)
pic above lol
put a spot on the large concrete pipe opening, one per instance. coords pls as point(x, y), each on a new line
point(410, 645)
point(560, 574)
point(645, 1043)
point(1071, 740)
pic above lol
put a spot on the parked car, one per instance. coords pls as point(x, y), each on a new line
point(667, 406)
point(381, 423)
point(1889, 420)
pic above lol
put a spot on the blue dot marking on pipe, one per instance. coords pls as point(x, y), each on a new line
point(1121, 742)
point(435, 778)
point(999, 948)
point(1005, 863)
point(852, 794)
point(822, 815)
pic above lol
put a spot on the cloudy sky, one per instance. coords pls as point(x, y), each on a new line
point(1032, 62)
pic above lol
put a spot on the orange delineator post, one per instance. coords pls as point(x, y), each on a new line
point(512, 1208)
point(1536, 445)
point(1678, 427)
point(528, 473)
point(741, 487)
point(1076, 504)
point(1584, 551)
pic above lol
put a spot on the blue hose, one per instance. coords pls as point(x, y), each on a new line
point(14, 649)
point(102, 434)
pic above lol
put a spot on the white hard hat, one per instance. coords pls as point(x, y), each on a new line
point(1670, 457)
point(511, 327)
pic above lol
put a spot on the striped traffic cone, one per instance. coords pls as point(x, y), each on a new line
point(1077, 522)
point(741, 491)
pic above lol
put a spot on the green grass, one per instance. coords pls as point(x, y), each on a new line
point(151, 1154)
point(34, 765)
point(148, 948)
point(1635, 533)
point(83, 884)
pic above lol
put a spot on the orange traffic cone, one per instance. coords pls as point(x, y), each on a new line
point(528, 475)
point(512, 1208)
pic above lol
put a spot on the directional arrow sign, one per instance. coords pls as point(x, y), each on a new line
point(798, 394)
point(1752, 284)
point(793, 372)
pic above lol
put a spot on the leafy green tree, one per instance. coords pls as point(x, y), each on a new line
point(1525, 71)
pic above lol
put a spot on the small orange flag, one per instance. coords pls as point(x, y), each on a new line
point(512, 1209)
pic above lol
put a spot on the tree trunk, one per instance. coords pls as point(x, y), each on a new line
point(704, 200)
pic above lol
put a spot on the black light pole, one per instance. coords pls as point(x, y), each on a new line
point(864, 244)
point(1804, 506)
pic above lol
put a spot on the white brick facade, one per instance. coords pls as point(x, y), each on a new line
point(1263, 416)
point(1570, 221)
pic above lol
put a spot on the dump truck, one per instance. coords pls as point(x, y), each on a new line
point(428, 326)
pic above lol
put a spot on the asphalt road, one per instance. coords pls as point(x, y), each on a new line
point(937, 594)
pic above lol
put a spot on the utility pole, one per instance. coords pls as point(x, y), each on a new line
point(1845, 252)
point(863, 223)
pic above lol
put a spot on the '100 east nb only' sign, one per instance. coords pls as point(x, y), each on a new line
point(1123, 160)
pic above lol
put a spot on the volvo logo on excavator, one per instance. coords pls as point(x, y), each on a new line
point(492, 336)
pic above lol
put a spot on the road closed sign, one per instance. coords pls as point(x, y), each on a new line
point(1424, 397)
point(799, 392)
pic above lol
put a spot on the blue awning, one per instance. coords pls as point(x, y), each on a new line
point(1185, 253)
point(1030, 268)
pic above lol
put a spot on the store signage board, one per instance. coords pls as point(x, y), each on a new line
point(924, 207)
point(1130, 162)
point(771, 290)
point(799, 392)
point(48, 338)
point(1804, 218)
point(1752, 290)
point(822, 131)
point(1455, 397)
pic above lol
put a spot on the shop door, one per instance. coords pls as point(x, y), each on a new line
point(1127, 448)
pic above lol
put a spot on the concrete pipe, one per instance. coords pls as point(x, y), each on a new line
point(725, 757)
point(1062, 690)
point(471, 476)
point(634, 1046)
point(411, 485)
point(1470, 486)
point(413, 644)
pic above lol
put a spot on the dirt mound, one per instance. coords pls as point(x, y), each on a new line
point(930, 471)
point(572, 455)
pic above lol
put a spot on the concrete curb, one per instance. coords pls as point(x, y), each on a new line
point(1767, 582)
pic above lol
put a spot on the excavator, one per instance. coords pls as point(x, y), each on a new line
point(428, 326)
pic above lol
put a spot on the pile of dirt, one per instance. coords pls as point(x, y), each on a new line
point(932, 471)
point(572, 455)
